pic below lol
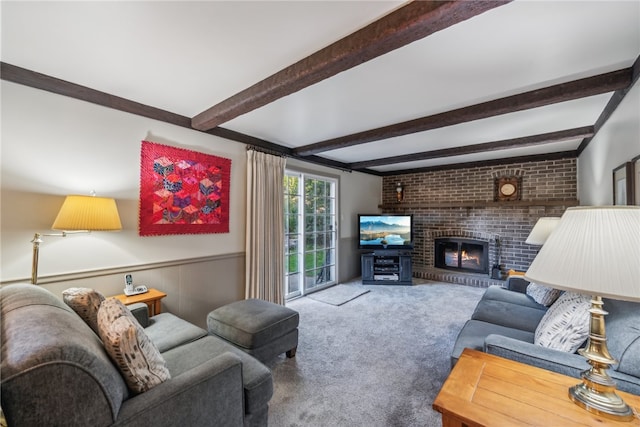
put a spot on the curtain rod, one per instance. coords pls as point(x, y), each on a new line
point(266, 151)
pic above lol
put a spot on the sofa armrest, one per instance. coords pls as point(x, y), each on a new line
point(570, 364)
point(208, 394)
point(517, 283)
point(140, 311)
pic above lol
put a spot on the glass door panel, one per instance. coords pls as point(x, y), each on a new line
point(292, 247)
point(310, 214)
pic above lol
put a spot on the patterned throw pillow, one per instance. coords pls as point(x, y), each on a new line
point(565, 326)
point(85, 302)
point(138, 359)
point(542, 294)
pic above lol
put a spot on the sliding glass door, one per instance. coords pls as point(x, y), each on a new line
point(310, 233)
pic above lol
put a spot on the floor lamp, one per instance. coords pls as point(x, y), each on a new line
point(79, 214)
point(594, 251)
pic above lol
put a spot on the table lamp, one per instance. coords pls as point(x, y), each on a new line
point(540, 232)
point(594, 251)
point(79, 214)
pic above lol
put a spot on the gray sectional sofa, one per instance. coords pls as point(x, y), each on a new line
point(55, 371)
point(505, 320)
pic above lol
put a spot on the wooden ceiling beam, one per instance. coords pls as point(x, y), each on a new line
point(487, 163)
point(406, 24)
point(526, 141)
point(562, 92)
point(612, 105)
point(23, 76)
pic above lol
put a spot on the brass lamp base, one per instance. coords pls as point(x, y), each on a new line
point(604, 403)
point(597, 392)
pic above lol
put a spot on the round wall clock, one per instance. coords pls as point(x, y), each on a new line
point(507, 188)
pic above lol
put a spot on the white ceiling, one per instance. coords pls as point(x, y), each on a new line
point(185, 57)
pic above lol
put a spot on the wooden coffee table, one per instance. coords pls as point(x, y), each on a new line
point(152, 298)
point(486, 390)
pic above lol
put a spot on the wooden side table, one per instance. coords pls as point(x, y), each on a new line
point(152, 298)
point(487, 390)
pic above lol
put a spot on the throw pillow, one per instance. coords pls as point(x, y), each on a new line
point(565, 326)
point(85, 302)
point(542, 294)
point(138, 359)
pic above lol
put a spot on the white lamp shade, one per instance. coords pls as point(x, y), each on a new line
point(88, 213)
point(540, 232)
point(593, 251)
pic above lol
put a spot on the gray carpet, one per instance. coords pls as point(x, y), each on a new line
point(379, 360)
point(339, 294)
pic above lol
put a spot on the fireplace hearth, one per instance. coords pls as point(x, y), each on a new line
point(468, 255)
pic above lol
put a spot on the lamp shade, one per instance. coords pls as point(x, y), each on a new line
point(88, 213)
point(593, 251)
point(541, 230)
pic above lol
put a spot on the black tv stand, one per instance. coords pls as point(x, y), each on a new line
point(386, 267)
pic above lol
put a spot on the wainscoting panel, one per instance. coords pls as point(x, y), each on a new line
point(194, 286)
point(206, 286)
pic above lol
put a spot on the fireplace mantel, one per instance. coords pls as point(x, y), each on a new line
point(479, 204)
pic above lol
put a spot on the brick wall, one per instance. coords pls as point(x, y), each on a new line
point(552, 180)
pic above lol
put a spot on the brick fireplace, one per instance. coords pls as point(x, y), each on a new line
point(459, 203)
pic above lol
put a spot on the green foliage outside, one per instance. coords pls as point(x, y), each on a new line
point(318, 209)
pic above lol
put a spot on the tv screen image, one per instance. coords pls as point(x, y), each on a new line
point(385, 231)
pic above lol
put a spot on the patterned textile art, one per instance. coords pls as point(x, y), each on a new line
point(182, 191)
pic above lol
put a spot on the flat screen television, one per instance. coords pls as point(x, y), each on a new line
point(385, 231)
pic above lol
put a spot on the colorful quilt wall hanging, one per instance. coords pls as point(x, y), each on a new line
point(182, 191)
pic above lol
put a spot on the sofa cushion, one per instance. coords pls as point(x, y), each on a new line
point(256, 377)
point(623, 334)
point(139, 361)
point(168, 331)
point(498, 293)
point(85, 302)
point(542, 294)
point(565, 326)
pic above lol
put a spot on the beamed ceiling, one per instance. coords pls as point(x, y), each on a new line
point(382, 87)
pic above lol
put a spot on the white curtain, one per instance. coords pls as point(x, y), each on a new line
point(265, 227)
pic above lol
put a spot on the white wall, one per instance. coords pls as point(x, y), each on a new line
point(617, 142)
point(53, 146)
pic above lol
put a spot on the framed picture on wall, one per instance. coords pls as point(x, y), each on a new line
point(182, 191)
point(623, 180)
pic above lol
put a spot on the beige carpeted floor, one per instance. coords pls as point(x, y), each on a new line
point(377, 360)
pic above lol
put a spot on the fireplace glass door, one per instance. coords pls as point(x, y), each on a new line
point(462, 254)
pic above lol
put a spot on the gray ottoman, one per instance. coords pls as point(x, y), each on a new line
point(260, 328)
